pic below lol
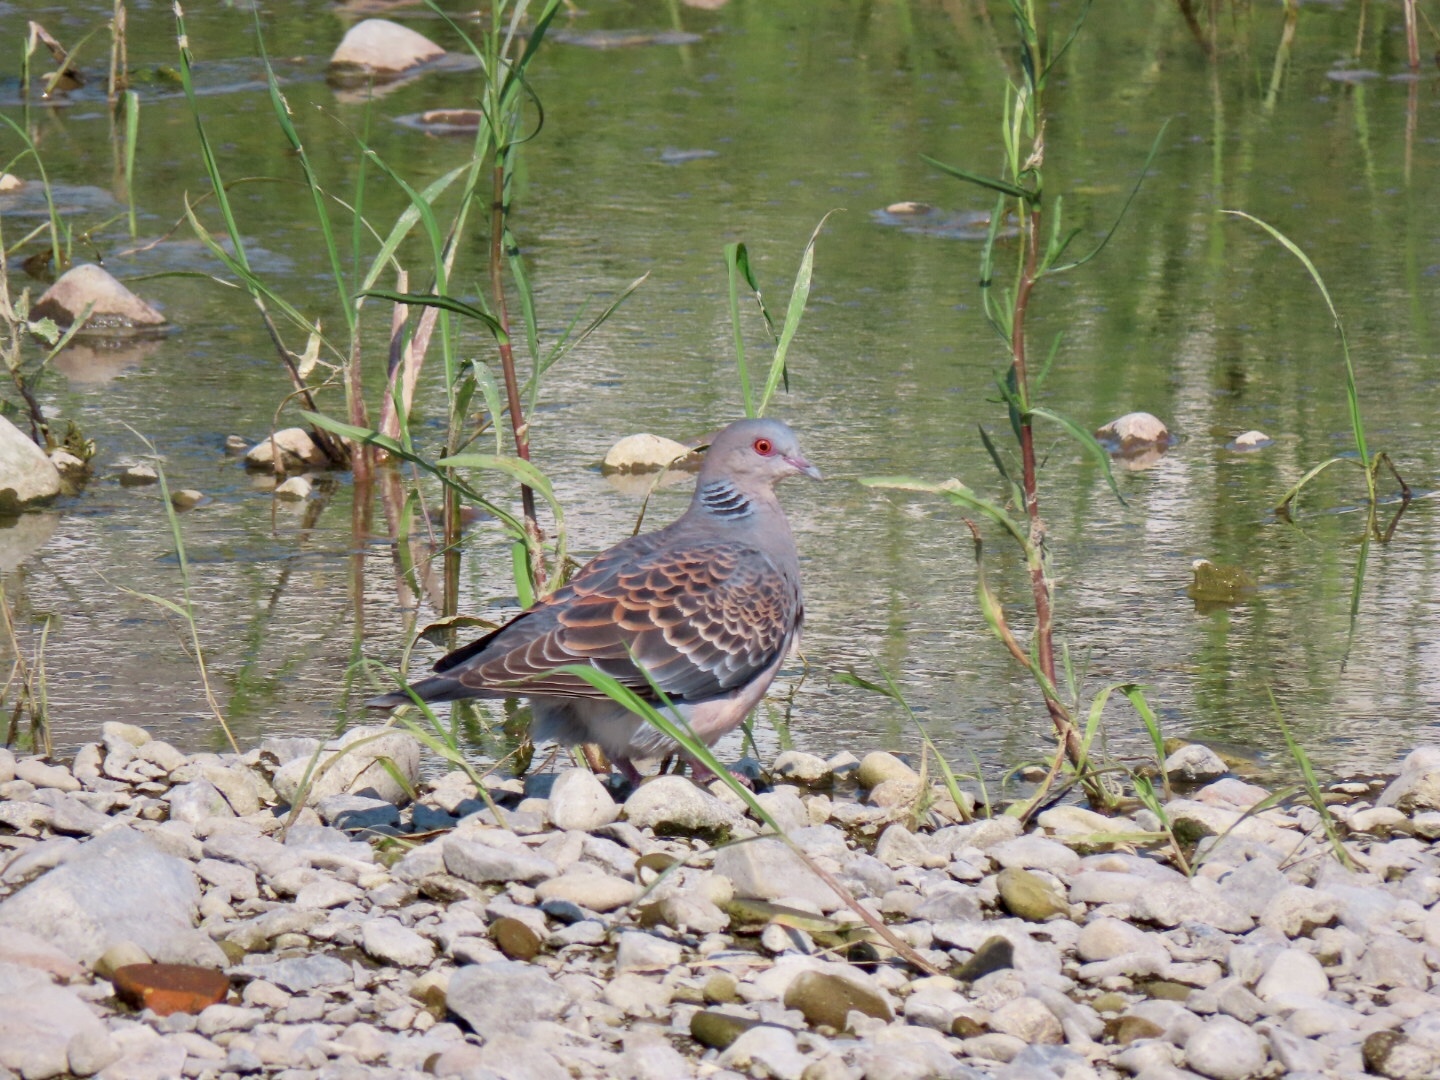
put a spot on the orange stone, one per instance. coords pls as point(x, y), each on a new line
point(170, 988)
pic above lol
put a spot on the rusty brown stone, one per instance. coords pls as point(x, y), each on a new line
point(170, 988)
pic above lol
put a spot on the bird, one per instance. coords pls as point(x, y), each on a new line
point(705, 609)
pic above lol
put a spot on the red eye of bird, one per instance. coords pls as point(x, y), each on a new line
point(764, 447)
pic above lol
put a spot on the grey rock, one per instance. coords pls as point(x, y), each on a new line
point(266, 857)
point(598, 892)
point(1418, 785)
point(1390, 960)
point(1170, 903)
point(786, 809)
point(1298, 911)
point(1225, 1049)
point(478, 862)
point(389, 942)
point(1194, 762)
point(350, 812)
point(639, 951)
point(766, 1051)
point(578, 800)
point(69, 815)
point(117, 887)
point(898, 847)
point(767, 869)
point(35, 771)
point(197, 801)
point(795, 767)
point(113, 307)
point(298, 974)
point(352, 765)
point(1292, 972)
point(496, 998)
point(1032, 852)
point(671, 805)
point(877, 767)
point(296, 451)
point(37, 1023)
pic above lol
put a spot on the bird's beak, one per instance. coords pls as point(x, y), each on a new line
point(803, 467)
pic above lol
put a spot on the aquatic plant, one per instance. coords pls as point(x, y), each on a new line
point(1042, 252)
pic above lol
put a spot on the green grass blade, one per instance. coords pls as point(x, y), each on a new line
point(1002, 186)
point(1089, 443)
point(799, 295)
point(737, 267)
point(1352, 393)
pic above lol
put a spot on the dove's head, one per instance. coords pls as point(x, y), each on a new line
point(755, 454)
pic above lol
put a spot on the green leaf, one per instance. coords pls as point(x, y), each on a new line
point(445, 303)
point(1002, 186)
point(799, 295)
point(1090, 444)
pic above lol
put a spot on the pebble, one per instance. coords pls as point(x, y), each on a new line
point(1060, 957)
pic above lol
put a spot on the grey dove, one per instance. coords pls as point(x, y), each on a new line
point(708, 606)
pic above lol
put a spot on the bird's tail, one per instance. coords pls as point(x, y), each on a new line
point(434, 689)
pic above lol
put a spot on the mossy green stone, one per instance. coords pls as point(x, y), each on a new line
point(1127, 1029)
point(515, 939)
point(827, 999)
point(995, 954)
point(718, 1030)
point(1028, 896)
point(722, 988)
point(1166, 990)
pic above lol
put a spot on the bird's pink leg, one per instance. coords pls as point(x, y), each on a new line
point(626, 769)
point(703, 776)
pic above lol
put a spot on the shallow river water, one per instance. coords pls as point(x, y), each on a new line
point(768, 116)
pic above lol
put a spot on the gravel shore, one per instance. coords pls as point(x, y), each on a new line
point(561, 934)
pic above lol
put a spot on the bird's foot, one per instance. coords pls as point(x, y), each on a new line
point(704, 776)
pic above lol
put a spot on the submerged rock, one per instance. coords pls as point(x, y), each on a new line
point(647, 453)
point(114, 309)
point(1251, 440)
point(382, 46)
point(1134, 432)
point(296, 448)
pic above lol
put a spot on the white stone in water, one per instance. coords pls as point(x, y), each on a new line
point(27, 476)
point(382, 45)
point(645, 453)
point(1225, 1049)
point(1134, 431)
point(1251, 440)
point(112, 305)
point(578, 800)
point(296, 489)
point(297, 450)
point(1195, 761)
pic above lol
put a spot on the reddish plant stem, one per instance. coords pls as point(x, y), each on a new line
point(1039, 583)
point(507, 362)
